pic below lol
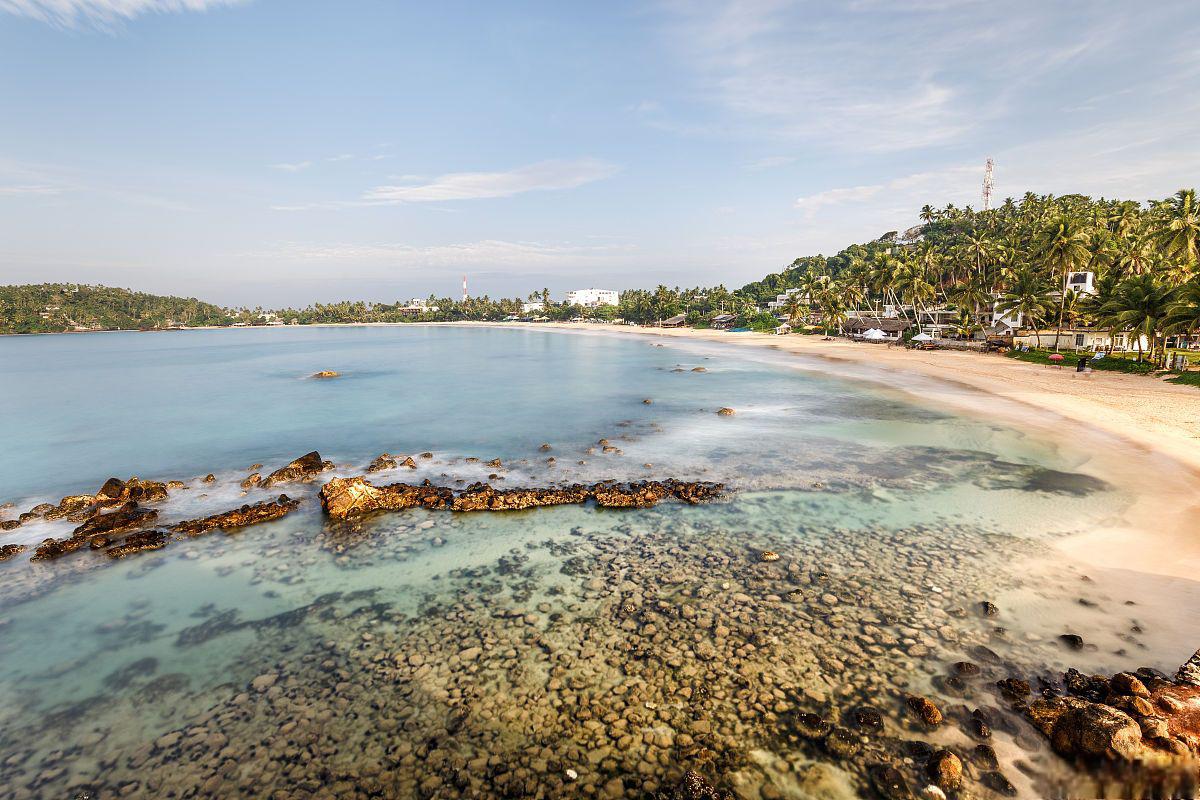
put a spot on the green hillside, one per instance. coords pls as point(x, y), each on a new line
point(57, 307)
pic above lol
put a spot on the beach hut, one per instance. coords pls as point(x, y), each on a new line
point(674, 322)
point(723, 322)
point(782, 329)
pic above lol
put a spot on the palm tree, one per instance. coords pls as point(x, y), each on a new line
point(1063, 249)
point(1179, 231)
point(1184, 315)
point(1029, 298)
point(795, 308)
point(1140, 305)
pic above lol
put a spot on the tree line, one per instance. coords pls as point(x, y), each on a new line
point(1015, 259)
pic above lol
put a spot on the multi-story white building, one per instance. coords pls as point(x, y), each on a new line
point(592, 298)
point(529, 308)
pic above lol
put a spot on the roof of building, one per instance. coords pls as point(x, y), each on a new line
point(678, 319)
point(881, 323)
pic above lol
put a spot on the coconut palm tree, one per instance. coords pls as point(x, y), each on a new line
point(1140, 305)
point(1184, 315)
point(1063, 247)
point(1028, 297)
point(1179, 230)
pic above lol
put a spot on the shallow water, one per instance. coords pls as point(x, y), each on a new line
point(438, 655)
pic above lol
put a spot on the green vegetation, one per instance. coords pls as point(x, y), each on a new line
point(56, 307)
point(1144, 257)
point(1186, 379)
point(1070, 360)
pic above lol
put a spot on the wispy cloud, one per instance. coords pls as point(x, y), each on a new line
point(296, 167)
point(102, 13)
point(34, 189)
point(882, 75)
point(511, 255)
point(542, 176)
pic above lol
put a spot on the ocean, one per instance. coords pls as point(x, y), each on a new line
point(566, 651)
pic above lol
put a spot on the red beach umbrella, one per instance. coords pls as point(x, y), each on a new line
point(1056, 357)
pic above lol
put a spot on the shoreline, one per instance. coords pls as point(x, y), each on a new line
point(1128, 418)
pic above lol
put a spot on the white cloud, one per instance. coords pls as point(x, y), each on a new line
point(542, 176)
point(74, 13)
point(296, 167)
point(34, 189)
point(514, 256)
point(884, 75)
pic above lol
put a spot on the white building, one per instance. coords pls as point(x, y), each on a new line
point(1080, 339)
point(529, 308)
point(1082, 282)
point(592, 298)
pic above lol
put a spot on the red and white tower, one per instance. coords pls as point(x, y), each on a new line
point(465, 295)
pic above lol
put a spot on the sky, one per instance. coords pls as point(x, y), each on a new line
point(272, 152)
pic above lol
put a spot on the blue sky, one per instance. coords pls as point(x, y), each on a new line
point(285, 151)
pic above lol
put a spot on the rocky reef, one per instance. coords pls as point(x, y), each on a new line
point(304, 468)
point(246, 515)
point(346, 497)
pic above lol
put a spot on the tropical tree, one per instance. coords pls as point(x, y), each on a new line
point(1140, 305)
point(1028, 298)
point(1179, 231)
point(1063, 249)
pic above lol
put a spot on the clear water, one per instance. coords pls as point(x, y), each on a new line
point(437, 655)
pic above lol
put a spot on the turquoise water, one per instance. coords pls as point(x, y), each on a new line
point(425, 654)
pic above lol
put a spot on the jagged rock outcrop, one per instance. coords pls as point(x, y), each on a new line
point(137, 542)
point(346, 497)
point(255, 514)
point(1130, 718)
point(127, 516)
point(11, 551)
point(304, 468)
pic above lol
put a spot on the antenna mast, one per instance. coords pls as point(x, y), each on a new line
point(987, 185)
point(465, 295)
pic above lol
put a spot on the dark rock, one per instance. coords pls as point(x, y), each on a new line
point(138, 542)
point(985, 756)
point(694, 786)
point(346, 497)
point(1072, 640)
point(890, 783)
point(867, 718)
point(996, 781)
point(128, 516)
point(726, 412)
point(382, 461)
point(11, 551)
point(303, 468)
point(842, 742)
point(989, 609)
point(812, 726)
point(1014, 688)
point(263, 511)
point(945, 770)
point(925, 710)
